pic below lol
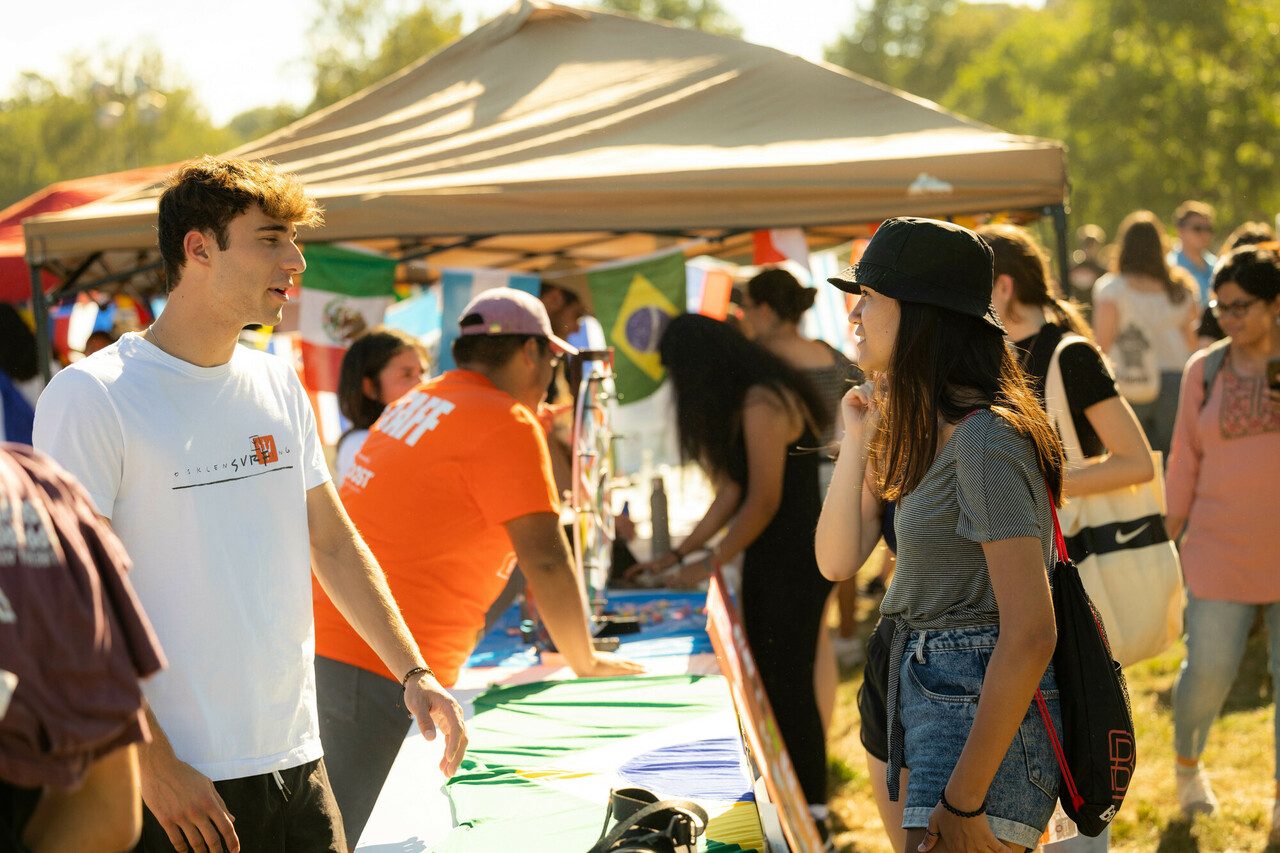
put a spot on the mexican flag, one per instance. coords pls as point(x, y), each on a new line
point(634, 302)
point(344, 291)
point(458, 287)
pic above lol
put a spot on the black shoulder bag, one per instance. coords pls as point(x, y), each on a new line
point(1097, 753)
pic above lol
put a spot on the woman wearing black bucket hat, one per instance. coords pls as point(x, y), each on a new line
point(955, 436)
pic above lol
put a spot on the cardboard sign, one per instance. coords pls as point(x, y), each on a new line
point(756, 718)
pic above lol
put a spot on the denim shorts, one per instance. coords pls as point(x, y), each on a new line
point(941, 677)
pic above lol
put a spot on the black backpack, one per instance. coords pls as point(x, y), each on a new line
point(1097, 753)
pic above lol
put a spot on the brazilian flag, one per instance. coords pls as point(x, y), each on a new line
point(634, 302)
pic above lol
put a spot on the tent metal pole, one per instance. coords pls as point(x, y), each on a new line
point(1059, 213)
point(40, 313)
point(67, 289)
point(81, 270)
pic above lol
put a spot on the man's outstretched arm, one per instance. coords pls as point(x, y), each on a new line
point(543, 556)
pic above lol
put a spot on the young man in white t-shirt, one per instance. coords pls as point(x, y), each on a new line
point(204, 457)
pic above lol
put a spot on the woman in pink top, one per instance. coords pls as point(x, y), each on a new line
point(1223, 471)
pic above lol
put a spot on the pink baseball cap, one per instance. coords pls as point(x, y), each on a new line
point(506, 311)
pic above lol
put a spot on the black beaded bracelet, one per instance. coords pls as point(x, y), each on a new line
point(982, 809)
point(417, 670)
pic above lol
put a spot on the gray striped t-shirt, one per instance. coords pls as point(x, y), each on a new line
point(984, 486)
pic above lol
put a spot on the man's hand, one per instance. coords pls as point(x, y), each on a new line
point(185, 803)
point(606, 665)
point(432, 706)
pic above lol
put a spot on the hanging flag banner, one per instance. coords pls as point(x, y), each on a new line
point(709, 286)
point(717, 288)
point(829, 319)
point(634, 302)
point(780, 244)
point(344, 291)
point(458, 287)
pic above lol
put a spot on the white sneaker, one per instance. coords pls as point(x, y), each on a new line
point(1195, 794)
point(848, 651)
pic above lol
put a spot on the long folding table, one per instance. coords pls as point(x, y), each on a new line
point(546, 749)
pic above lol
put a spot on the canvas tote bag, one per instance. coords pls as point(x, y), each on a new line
point(1119, 542)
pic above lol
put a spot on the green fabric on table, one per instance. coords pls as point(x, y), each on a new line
point(520, 781)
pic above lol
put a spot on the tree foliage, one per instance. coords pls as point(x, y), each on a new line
point(1157, 100)
point(100, 117)
point(259, 121)
point(356, 43)
point(706, 15)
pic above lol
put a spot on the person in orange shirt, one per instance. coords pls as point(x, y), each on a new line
point(453, 477)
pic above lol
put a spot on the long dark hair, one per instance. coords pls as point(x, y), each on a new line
point(1142, 252)
point(945, 364)
point(368, 354)
point(711, 367)
point(1021, 257)
point(18, 354)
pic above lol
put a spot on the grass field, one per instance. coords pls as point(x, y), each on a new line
point(1240, 759)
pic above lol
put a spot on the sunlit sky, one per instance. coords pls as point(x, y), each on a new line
point(239, 54)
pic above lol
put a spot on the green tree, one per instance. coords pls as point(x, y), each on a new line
point(888, 38)
point(99, 117)
point(706, 15)
point(920, 46)
point(356, 43)
point(1157, 101)
point(258, 122)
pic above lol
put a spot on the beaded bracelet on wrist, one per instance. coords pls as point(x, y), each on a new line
point(414, 673)
point(982, 809)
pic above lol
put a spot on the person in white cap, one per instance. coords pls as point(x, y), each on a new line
point(451, 490)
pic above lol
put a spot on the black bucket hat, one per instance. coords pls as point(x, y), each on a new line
point(929, 261)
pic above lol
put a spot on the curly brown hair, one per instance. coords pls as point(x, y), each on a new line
point(206, 194)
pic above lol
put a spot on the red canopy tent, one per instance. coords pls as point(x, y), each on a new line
point(15, 275)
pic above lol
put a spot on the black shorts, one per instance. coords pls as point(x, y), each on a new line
point(295, 811)
point(873, 694)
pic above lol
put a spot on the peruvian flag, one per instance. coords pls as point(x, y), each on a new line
point(780, 244)
point(345, 291)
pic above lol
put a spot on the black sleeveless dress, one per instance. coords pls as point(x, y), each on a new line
point(783, 599)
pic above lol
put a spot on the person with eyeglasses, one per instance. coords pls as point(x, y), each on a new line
point(1222, 480)
point(1194, 221)
point(451, 490)
point(1245, 234)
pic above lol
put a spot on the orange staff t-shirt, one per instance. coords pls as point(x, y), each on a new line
point(441, 473)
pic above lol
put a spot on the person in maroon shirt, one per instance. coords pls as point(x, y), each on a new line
point(73, 644)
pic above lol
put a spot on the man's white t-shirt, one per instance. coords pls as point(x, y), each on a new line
point(204, 473)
